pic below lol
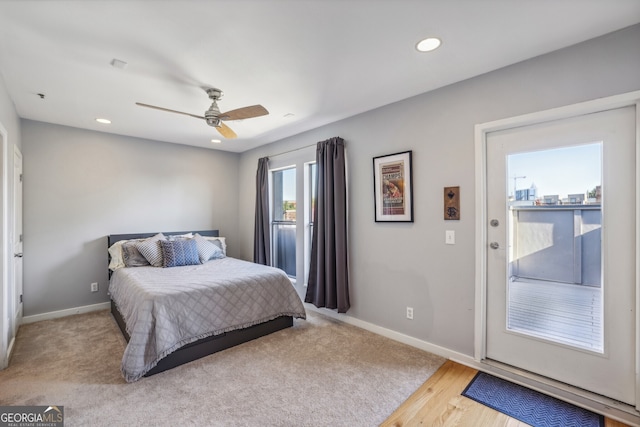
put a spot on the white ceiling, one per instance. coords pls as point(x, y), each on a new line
point(321, 60)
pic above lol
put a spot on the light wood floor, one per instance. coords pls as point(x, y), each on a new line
point(438, 403)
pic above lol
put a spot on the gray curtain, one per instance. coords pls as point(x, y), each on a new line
point(328, 284)
point(261, 239)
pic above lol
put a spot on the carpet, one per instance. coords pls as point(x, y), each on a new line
point(527, 405)
point(320, 372)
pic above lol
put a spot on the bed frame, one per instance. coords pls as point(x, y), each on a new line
point(205, 346)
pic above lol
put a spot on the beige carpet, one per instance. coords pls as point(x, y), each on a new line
point(319, 373)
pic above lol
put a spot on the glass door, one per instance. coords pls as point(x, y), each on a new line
point(561, 206)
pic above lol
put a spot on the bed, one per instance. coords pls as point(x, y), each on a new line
point(171, 316)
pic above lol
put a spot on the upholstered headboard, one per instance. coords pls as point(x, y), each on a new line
point(112, 238)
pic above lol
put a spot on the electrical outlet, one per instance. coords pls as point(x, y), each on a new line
point(410, 313)
point(94, 287)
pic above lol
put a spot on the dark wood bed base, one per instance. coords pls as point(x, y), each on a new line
point(205, 346)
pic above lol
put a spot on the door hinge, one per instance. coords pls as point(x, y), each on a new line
point(20, 177)
point(21, 298)
point(21, 238)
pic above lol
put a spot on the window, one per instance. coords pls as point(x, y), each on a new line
point(292, 197)
point(283, 219)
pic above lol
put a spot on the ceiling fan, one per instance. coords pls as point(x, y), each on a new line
point(215, 118)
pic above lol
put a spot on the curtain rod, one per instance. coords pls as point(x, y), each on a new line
point(291, 151)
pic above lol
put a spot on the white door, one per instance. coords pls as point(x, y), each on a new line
point(17, 238)
point(561, 270)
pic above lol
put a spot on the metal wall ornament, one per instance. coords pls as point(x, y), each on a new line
point(451, 203)
point(392, 187)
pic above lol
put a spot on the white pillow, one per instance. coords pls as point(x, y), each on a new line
point(207, 249)
point(180, 236)
point(220, 241)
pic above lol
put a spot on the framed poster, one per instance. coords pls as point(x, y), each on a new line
point(392, 188)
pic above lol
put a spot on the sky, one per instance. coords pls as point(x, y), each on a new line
point(561, 171)
point(289, 184)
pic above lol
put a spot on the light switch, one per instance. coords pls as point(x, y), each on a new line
point(450, 237)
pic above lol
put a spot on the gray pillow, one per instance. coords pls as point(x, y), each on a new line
point(132, 256)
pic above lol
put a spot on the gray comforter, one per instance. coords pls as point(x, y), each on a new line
point(167, 308)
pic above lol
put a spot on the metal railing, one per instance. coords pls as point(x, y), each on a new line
point(283, 243)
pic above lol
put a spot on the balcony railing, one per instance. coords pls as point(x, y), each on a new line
point(284, 246)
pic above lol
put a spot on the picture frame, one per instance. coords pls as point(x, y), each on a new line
point(393, 187)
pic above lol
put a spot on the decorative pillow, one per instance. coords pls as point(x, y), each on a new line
point(132, 256)
point(218, 241)
point(207, 249)
point(115, 250)
point(151, 250)
point(179, 252)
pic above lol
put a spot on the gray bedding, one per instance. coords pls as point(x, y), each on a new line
point(167, 308)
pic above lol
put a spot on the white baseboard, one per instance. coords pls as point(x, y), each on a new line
point(7, 357)
point(68, 312)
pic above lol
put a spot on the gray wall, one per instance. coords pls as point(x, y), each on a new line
point(395, 265)
point(82, 185)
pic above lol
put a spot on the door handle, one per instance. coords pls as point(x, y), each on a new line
point(18, 255)
point(494, 245)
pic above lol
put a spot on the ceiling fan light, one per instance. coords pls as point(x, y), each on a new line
point(216, 141)
point(103, 121)
point(428, 44)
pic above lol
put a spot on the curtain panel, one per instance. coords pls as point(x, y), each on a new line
point(328, 284)
point(261, 234)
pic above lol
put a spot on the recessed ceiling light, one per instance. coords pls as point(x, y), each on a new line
point(103, 121)
point(216, 141)
point(428, 44)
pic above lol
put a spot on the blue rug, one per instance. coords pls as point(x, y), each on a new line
point(527, 405)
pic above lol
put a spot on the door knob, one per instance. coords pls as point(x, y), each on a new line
point(494, 245)
point(18, 255)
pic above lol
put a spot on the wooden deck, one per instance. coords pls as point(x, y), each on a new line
point(438, 402)
point(560, 312)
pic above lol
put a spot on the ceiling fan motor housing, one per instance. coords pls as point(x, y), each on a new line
point(212, 115)
point(212, 118)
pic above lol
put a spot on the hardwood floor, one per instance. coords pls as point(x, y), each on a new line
point(438, 403)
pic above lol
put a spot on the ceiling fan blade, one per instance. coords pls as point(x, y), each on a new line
point(168, 110)
point(245, 113)
point(226, 131)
